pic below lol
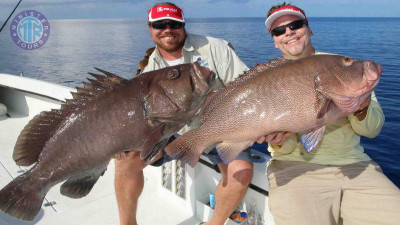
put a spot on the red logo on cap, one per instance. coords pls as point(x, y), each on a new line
point(160, 9)
point(163, 12)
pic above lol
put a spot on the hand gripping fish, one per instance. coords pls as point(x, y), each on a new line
point(108, 115)
point(296, 96)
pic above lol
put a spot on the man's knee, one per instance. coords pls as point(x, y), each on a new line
point(239, 170)
point(130, 162)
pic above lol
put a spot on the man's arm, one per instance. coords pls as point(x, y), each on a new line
point(372, 123)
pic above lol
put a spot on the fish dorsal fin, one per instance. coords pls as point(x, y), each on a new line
point(41, 128)
point(312, 138)
point(34, 136)
point(252, 72)
point(97, 87)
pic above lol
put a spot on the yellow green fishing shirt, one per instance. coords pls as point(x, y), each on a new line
point(340, 144)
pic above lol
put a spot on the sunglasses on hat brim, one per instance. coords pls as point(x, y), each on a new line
point(295, 25)
point(162, 24)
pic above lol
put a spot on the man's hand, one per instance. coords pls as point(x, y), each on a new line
point(131, 154)
point(275, 138)
point(361, 113)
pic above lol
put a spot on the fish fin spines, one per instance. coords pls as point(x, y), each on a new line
point(96, 87)
point(78, 188)
point(186, 148)
point(111, 76)
point(20, 203)
point(34, 136)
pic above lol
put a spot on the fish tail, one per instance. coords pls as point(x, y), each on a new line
point(19, 201)
point(187, 148)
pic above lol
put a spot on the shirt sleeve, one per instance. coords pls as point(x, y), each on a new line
point(288, 146)
point(229, 65)
point(372, 124)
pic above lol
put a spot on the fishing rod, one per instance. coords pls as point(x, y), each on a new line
point(10, 15)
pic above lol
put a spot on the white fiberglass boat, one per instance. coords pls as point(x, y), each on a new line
point(172, 194)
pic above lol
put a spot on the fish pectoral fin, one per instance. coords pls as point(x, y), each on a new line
point(187, 148)
point(78, 188)
point(158, 105)
point(228, 151)
point(323, 103)
point(153, 145)
point(311, 139)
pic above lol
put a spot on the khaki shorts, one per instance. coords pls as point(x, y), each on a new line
point(311, 194)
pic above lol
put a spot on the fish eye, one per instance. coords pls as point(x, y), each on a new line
point(173, 74)
point(347, 61)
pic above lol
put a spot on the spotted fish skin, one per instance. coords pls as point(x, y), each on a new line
point(279, 96)
point(108, 115)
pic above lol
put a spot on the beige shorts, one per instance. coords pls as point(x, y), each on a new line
point(311, 194)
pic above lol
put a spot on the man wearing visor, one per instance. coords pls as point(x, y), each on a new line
point(174, 46)
point(336, 183)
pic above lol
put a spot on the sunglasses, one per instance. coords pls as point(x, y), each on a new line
point(295, 25)
point(161, 25)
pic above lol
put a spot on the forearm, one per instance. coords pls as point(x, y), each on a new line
point(370, 122)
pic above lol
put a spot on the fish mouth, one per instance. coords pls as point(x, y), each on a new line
point(372, 72)
point(203, 78)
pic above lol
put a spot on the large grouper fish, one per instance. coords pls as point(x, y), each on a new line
point(108, 115)
point(280, 96)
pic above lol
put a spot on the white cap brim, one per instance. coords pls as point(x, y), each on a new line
point(270, 20)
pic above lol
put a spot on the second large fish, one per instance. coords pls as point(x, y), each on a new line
point(295, 96)
point(109, 115)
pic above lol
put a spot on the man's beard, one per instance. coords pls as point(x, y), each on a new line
point(171, 48)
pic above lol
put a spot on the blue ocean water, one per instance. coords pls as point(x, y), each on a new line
point(76, 46)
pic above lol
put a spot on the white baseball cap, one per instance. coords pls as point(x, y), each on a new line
point(282, 11)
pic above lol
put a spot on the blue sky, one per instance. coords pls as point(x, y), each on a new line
point(136, 9)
